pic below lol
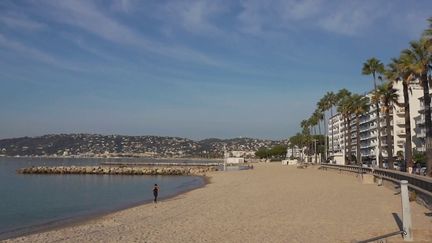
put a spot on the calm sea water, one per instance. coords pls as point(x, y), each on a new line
point(32, 202)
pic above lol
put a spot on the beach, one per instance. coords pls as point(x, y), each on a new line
point(271, 203)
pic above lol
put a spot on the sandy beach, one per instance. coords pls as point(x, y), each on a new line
point(272, 203)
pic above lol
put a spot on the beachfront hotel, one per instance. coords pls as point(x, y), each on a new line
point(337, 128)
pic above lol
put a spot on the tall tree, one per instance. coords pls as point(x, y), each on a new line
point(419, 55)
point(331, 102)
point(315, 121)
point(305, 125)
point(322, 108)
point(389, 98)
point(428, 32)
point(345, 109)
point(320, 117)
point(373, 67)
point(324, 105)
point(398, 71)
point(360, 105)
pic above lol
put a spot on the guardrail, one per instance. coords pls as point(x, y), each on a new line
point(420, 184)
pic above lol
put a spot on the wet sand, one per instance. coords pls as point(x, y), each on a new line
point(272, 203)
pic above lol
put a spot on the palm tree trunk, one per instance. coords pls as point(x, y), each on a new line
point(359, 160)
point(408, 143)
point(314, 145)
point(428, 123)
point(389, 139)
point(379, 158)
point(344, 153)
point(319, 132)
point(349, 140)
point(325, 138)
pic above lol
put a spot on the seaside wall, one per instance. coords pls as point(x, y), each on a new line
point(109, 170)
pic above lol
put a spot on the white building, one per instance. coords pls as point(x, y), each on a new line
point(238, 154)
point(369, 131)
point(293, 152)
point(420, 129)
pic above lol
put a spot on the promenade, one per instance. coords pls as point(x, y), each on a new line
point(272, 203)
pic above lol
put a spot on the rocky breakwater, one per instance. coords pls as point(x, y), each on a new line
point(121, 170)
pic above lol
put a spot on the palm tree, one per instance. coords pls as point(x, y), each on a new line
point(341, 94)
point(313, 121)
point(320, 117)
point(345, 109)
point(428, 32)
point(374, 66)
point(388, 97)
point(331, 101)
point(326, 103)
point(322, 108)
point(398, 71)
point(305, 127)
point(360, 105)
point(419, 57)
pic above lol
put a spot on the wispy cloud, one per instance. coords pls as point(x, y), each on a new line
point(352, 18)
point(263, 17)
point(35, 54)
point(26, 50)
point(341, 17)
point(194, 16)
point(21, 22)
point(85, 15)
point(123, 5)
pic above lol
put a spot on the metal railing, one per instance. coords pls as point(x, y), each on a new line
point(374, 239)
point(421, 184)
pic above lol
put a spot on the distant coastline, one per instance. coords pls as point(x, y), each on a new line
point(111, 157)
point(118, 146)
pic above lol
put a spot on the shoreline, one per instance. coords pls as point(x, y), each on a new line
point(271, 203)
point(77, 220)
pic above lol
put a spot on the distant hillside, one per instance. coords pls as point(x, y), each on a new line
point(93, 145)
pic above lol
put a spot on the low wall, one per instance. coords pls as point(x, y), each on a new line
point(109, 170)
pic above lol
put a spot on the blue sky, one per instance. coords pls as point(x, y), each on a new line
point(193, 69)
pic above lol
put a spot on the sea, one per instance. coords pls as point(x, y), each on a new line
point(33, 203)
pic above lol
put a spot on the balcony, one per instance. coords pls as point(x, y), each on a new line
point(421, 120)
point(421, 134)
point(367, 128)
point(368, 145)
point(384, 134)
point(400, 132)
point(366, 137)
point(400, 123)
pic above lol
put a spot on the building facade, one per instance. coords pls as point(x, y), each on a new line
point(368, 126)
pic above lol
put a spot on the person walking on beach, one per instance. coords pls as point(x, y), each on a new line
point(155, 192)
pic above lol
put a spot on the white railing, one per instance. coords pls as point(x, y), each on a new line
point(420, 184)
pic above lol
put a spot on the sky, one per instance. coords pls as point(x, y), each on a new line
point(194, 69)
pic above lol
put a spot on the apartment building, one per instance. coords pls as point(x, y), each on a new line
point(368, 126)
point(420, 128)
point(294, 152)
